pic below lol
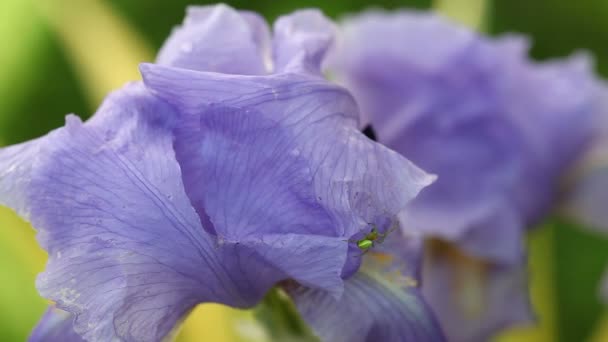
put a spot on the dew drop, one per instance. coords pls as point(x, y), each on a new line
point(186, 47)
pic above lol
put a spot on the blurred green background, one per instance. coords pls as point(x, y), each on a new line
point(63, 56)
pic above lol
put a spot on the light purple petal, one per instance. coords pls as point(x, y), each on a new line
point(55, 326)
point(503, 242)
point(569, 125)
point(302, 164)
point(415, 44)
point(476, 112)
point(233, 184)
point(220, 39)
point(398, 256)
point(371, 309)
point(442, 120)
point(301, 41)
point(128, 255)
point(472, 298)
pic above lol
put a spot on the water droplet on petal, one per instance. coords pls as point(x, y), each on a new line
point(186, 47)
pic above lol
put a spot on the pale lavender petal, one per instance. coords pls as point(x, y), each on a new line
point(215, 189)
point(476, 112)
point(127, 253)
point(220, 39)
point(301, 41)
point(372, 43)
point(503, 242)
point(398, 256)
point(371, 309)
point(55, 326)
point(569, 125)
point(472, 298)
point(442, 121)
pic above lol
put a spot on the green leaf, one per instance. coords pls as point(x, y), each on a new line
point(20, 260)
point(581, 256)
point(557, 27)
point(281, 319)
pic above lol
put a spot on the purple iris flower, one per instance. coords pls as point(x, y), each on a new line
point(233, 167)
point(498, 129)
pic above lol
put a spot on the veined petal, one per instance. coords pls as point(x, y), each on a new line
point(473, 298)
point(301, 41)
point(214, 190)
point(301, 160)
point(127, 253)
point(426, 119)
point(55, 326)
point(371, 309)
point(220, 39)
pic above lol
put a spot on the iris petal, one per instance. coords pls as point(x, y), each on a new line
point(214, 189)
point(315, 122)
point(474, 298)
point(475, 111)
point(371, 309)
point(485, 118)
point(299, 152)
point(128, 255)
point(220, 39)
point(301, 41)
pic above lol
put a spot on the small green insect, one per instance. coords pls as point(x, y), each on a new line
point(372, 237)
point(365, 244)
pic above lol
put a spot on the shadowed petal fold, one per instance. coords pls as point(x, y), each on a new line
point(473, 299)
point(371, 309)
point(302, 161)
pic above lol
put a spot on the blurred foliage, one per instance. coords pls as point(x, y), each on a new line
point(61, 56)
point(20, 261)
point(582, 257)
point(557, 27)
point(37, 85)
point(216, 322)
point(281, 319)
